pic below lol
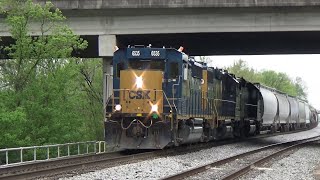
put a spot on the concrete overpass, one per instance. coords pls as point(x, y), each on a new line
point(125, 4)
point(204, 27)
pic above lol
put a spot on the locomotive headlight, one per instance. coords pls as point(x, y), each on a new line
point(118, 107)
point(139, 82)
point(154, 108)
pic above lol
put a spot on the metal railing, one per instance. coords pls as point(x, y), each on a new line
point(10, 156)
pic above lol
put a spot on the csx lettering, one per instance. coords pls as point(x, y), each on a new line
point(139, 94)
point(135, 53)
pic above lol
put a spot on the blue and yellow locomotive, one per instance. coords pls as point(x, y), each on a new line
point(162, 97)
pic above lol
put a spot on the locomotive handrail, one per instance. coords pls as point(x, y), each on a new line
point(168, 100)
point(174, 93)
point(251, 105)
point(215, 107)
point(57, 151)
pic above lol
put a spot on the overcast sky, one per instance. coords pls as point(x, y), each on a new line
point(305, 66)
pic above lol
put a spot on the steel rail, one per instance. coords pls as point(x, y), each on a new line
point(28, 169)
point(60, 166)
point(208, 166)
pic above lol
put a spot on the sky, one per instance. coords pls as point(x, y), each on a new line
point(305, 66)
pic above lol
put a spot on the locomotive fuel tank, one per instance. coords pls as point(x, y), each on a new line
point(270, 106)
point(191, 130)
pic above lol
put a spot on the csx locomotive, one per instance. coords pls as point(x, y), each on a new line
point(162, 97)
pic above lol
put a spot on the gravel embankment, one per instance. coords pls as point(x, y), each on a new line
point(165, 166)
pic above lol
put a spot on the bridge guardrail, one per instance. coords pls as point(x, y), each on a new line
point(19, 155)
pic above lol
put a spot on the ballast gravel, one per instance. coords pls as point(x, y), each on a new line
point(165, 166)
point(299, 165)
point(218, 172)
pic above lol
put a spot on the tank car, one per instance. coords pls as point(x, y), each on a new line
point(294, 113)
point(281, 112)
point(313, 117)
point(302, 114)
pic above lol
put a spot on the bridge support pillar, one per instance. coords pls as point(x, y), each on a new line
point(106, 49)
point(107, 80)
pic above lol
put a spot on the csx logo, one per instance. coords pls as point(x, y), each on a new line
point(139, 94)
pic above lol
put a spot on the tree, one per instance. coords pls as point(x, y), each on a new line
point(40, 94)
point(13, 125)
point(277, 80)
point(204, 59)
point(90, 70)
point(2, 6)
point(1, 11)
point(33, 54)
point(301, 88)
point(240, 68)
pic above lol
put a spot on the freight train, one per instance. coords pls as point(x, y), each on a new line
point(161, 97)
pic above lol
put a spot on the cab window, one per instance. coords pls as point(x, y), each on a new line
point(197, 71)
point(147, 64)
point(174, 70)
point(157, 65)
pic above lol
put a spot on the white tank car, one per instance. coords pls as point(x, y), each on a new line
point(284, 108)
point(270, 106)
point(308, 112)
point(294, 111)
point(302, 113)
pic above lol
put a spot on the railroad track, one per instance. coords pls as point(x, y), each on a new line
point(85, 163)
point(74, 165)
point(235, 166)
point(55, 168)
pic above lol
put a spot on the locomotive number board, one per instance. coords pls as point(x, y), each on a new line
point(152, 53)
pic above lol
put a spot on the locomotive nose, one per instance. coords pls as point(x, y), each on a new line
point(141, 91)
point(138, 113)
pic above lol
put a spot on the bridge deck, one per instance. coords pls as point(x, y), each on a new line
point(123, 4)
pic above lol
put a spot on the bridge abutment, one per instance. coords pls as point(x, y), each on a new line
point(106, 49)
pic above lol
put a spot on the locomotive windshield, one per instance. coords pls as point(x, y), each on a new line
point(147, 64)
